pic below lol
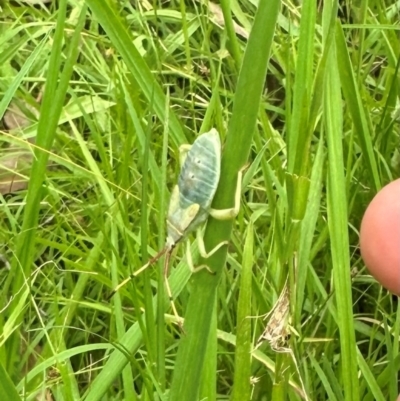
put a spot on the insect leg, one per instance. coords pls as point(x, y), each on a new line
point(183, 151)
point(137, 272)
point(203, 253)
point(168, 288)
point(226, 214)
point(202, 247)
point(189, 259)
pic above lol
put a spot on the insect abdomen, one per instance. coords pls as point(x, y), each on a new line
point(200, 172)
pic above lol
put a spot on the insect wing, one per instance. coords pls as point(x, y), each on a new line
point(200, 172)
point(179, 219)
point(197, 183)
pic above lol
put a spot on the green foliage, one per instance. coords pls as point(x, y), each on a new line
point(306, 97)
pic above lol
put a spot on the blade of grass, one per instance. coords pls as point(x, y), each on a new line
point(297, 139)
point(53, 100)
point(241, 386)
point(7, 97)
point(160, 332)
point(142, 136)
point(230, 30)
point(308, 229)
point(150, 331)
point(132, 339)
point(324, 379)
point(121, 39)
point(190, 358)
point(127, 375)
point(355, 104)
point(337, 223)
point(208, 389)
point(60, 357)
point(369, 378)
point(7, 388)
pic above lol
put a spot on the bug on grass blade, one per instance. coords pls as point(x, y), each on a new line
point(190, 203)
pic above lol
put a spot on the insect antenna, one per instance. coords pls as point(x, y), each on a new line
point(137, 272)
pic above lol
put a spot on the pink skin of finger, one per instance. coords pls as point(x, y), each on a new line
point(380, 237)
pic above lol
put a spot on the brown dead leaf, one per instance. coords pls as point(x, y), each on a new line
point(19, 116)
point(15, 162)
point(218, 18)
point(277, 328)
point(14, 170)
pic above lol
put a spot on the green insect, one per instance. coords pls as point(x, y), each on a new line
point(190, 203)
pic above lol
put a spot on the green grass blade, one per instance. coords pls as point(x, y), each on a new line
point(121, 39)
point(53, 101)
point(59, 358)
point(308, 229)
point(338, 229)
point(142, 137)
point(297, 135)
point(241, 381)
point(7, 389)
point(7, 97)
point(324, 379)
point(230, 30)
point(369, 378)
point(132, 339)
point(208, 389)
point(190, 358)
point(354, 102)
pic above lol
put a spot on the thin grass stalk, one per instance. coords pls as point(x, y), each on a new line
point(191, 353)
point(370, 379)
point(132, 340)
point(7, 388)
point(297, 136)
point(337, 222)
point(242, 374)
point(230, 30)
point(160, 331)
point(208, 389)
point(150, 331)
point(8, 96)
point(355, 105)
point(308, 230)
point(53, 100)
point(122, 40)
point(127, 375)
